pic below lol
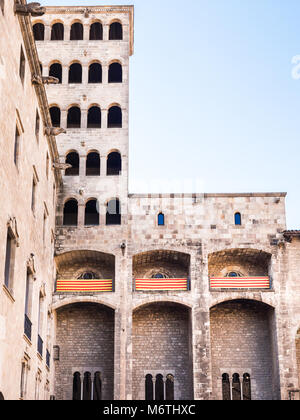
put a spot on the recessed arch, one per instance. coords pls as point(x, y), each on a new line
point(115, 31)
point(74, 117)
point(115, 118)
point(70, 212)
point(92, 212)
point(94, 117)
point(39, 31)
point(115, 73)
point(55, 114)
point(57, 31)
point(76, 31)
point(72, 158)
point(113, 212)
point(55, 70)
point(75, 72)
point(93, 163)
point(114, 164)
point(96, 31)
point(95, 72)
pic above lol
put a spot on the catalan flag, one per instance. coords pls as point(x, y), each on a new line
point(86, 285)
point(240, 283)
point(161, 284)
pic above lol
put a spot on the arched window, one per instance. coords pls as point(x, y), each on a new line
point(91, 213)
point(87, 276)
point(56, 71)
point(74, 117)
point(170, 388)
point(97, 394)
point(115, 73)
point(96, 31)
point(55, 116)
point(159, 388)
point(246, 387)
point(76, 386)
point(114, 164)
point(70, 213)
point(236, 387)
point(226, 387)
point(41, 67)
point(113, 212)
point(72, 159)
point(238, 219)
point(39, 31)
point(57, 32)
point(149, 388)
point(158, 276)
point(76, 33)
point(75, 73)
point(114, 117)
point(87, 387)
point(95, 73)
point(161, 219)
point(94, 117)
point(93, 164)
point(116, 31)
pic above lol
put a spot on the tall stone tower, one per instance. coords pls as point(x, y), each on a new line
point(88, 51)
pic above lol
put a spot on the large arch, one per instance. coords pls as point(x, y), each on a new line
point(243, 342)
point(162, 345)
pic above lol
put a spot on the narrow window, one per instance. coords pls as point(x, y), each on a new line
point(87, 387)
point(22, 66)
point(96, 31)
point(33, 195)
point(44, 226)
point(28, 305)
point(149, 388)
point(115, 117)
point(236, 387)
point(91, 213)
point(47, 165)
point(76, 386)
point(116, 31)
point(161, 219)
point(113, 213)
point(39, 32)
point(2, 6)
point(56, 71)
point(94, 117)
point(114, 164)
point(17, 145)
point(9, 260)
point(57, 32)
point(95, 73)
point(246, 387)
point(75, 73)
point(37, 125)
point(76, 32)
point(159, 388)
point(55, 114)
point(70, 213)
point(238, 219)
point(40, 325)
point(97, 394)
point(115, 73)
point(74, 117)
point(170, 388)
point(72, 159)
point(226, 387)
point(93, 164)
point(23, 380)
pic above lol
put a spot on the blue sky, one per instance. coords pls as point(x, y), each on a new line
point(214, 105)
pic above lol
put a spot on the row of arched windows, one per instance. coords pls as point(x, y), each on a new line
point(236, 388)
point(92, 214)
point(76, 31)
point(159, 389)
point(94, 120)
point(113, 164)
point(90, 388)
point(115, 72)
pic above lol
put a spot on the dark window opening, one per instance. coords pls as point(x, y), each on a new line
point(70, 213)
point(96, 31)
point(115, 73)
point(159, 388)
point(113, 214)
point(236, 387)
point(170, 388)
point(72, 159)
point(95, 73)
point(56, 71)
point(116, 31)
point(114, 117)
point(76, 387)
point(22, 65)
point(97, 394)
point(94, 117)
point(57, 32)
point(41, 68)
point(246, 387)
point(149, 388)
point(2, 10)
point(87, 276)
point(37, 125)
point(74, 117)
point(39, 32)
point(238, 219)
point(114, 164)
point(8, 259)
point(226, 387)
point(75, 73)
point(55, 116)
point(93, 164)
point(1, 395)
point(161, 219)
point(17, 145)
point(158, 276)
point(33, 195)
point(91, 213)
point(76, 32)
point(87, 387)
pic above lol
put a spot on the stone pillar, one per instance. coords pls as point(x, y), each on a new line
point(105, 32)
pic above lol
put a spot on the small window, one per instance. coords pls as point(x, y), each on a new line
point(56, 71)
point(37, 125)
point(76, 32)
point(72, 158)
point(170, 388)
point(76, 386)
point(91, 213)
point(114, 117)
point(236, 387)
point(55, 116)
point(115, 31)
point(39, 32)
point(158, 276)
point(22, 66)
point(97, 394)
point(33, 195)
point(93, 164)
point(70, 213)
point(74, 117)
point(149, 396)
point(113, 213)
point(246, 387)
point(57, 32)
point(87, 387)
point(159, 388)
point(17, 145)
point(9, 260)
point(75, 73)
point(161, 219)
point(238, 219)
point(114, 164)
point(2, 6)
point(95, 73)
point(96, 31)
point(115, 73)
point(94, 117)
point(226, 387)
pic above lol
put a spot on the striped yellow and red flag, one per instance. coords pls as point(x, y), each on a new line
point(240, 282)
point(161, 284)
point(86, 285)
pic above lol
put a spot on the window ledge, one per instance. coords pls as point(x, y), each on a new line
point(8, 293)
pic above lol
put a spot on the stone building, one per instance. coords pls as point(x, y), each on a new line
point(156, 297)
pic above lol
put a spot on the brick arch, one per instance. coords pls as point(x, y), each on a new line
point(247, 296)
point(154, 300)
point(82, 299)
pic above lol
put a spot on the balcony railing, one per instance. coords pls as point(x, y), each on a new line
point(40, 346)
point(27, 327)
point(162, 285)
point(240, 283)
point(84, 285)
